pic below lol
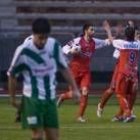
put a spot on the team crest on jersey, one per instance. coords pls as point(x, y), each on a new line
point(32, 120)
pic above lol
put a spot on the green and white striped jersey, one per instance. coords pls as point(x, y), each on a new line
point(38, 67)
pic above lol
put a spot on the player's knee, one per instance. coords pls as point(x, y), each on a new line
point(84, 91)
point(110, 91)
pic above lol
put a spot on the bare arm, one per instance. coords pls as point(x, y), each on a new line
point(12, 83)
point(107, 28)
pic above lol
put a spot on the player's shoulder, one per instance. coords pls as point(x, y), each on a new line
point(26, 43)
point(27, 39)
point(52, 42)
point(77, 39)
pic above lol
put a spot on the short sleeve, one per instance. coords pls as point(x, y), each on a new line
point(16, 62)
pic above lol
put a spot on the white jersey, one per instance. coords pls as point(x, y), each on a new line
point(38, 67)
point(122, 44)
point(125, 45)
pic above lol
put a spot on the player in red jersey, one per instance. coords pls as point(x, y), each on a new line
point(81, 51)
point(111, 90)
point(127, 79)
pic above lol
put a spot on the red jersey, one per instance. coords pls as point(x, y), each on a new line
point(80, 62)
point(83, 58)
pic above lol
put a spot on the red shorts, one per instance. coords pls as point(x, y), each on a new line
point(83, 80)
point(82, 77)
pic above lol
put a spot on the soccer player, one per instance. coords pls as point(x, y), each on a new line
point(127, 79)
point(110, 91)
point(81, 50)
point(38, 59)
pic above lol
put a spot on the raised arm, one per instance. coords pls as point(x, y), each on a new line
point(107, 28)
point(99, 43)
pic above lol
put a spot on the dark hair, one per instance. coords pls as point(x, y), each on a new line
point(41, 26)
point(130, 33)
point(86, 26)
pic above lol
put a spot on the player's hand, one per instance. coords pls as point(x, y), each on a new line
point(131, 23)
point(106, 25)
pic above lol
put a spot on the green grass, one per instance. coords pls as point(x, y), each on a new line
point(93, 129)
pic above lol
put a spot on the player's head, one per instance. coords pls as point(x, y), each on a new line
point(130, 32)
point(41, 29)
point(88, 29)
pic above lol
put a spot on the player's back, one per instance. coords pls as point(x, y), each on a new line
point(128, 61)
point(129, 51)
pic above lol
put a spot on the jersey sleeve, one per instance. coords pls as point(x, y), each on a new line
point(73, 43)
point(100, 43)
point(118, 43)
point(66, 49)
point(17, 60)
point(26, 40)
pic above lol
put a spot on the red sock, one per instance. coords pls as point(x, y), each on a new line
point(131, 100)
point(83, 105)
point(105, 97)
point(124, 106)
point(66, 96)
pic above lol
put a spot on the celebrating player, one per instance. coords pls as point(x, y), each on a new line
point(81, 50)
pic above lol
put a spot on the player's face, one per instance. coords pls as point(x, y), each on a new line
point(40, 40)
point(90, 31)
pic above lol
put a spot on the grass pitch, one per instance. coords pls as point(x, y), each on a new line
point(94, 129)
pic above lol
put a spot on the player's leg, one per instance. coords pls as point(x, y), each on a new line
point(67, 95)
point(37, 134)
point(52, 134)
point(18, 114)
point(108, 93)
point(121, 91)
point(51, 124)
point(104, 98)
point(64, 96)
point(118, 116)
point(83, 104)
point(30, 117)
point(133, 94)
point(85, 83)
point(131, 97)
